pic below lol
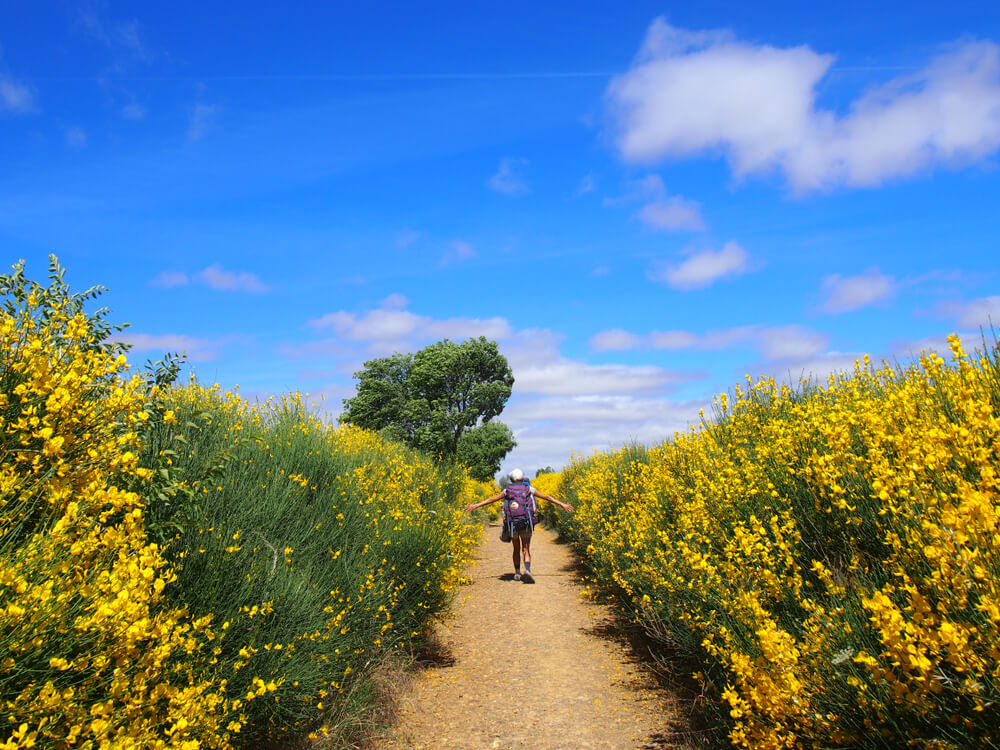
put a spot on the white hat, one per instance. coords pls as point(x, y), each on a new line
point(516, 476)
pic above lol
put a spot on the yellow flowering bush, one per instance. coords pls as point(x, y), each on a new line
point(88, 654)
point(827, 559)
point(317, 550)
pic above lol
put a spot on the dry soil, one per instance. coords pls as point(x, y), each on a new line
point(533, 666)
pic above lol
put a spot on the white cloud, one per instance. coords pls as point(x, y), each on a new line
point(196, 349)
point(550, 429)
point(169, 279)
point(844, 294)
point(392, 328)
point(458, 250)
point(75, 137)
point(509, 178)
point(674, 213)
point(791, 342)
point(702, 268)
point(587, 185)
point(600, 271)
point(201, 120)
point(690, 93)
point(980, 312)
point(615, 340)
point(774, 343)
point(133, 111)
point(16, 97)
point(216, 277)
point(406, 237)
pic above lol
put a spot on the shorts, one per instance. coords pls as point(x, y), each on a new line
point(523, 534)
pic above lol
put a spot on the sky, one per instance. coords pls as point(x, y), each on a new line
point(640, 202)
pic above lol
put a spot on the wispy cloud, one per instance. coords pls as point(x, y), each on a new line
point(702, 268)
point(690, 93)
point(980, 312)
point(196, 349)
point(458, 250)
point(509, 178)
point(15, 97)
point(588, 184)
point(844, 294)
point(133, 111)
point(201, 120)
point(75, 137)
point(773, 343)
point(406, 237)
point(214, 277)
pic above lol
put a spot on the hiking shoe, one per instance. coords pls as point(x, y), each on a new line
point(517, 576)
point(527, 577)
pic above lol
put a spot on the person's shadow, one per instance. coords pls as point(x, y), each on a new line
point(506, 577)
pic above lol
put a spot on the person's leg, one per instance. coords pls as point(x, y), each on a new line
point(526, 552)
point(516, 544)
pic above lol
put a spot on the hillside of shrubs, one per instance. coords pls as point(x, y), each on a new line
point(182, 568)
point(824, 560)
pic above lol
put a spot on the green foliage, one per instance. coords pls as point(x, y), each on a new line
point(482, 449)
point(429, 399)
point(299, 542)
point(546, 470)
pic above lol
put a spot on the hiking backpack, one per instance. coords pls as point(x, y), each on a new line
point(519, 508)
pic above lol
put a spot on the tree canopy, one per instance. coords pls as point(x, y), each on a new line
point(432, 398)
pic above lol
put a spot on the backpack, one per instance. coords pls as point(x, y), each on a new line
point(520, 511)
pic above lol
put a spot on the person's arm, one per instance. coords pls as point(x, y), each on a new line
point(473, 506)
point(565, 506)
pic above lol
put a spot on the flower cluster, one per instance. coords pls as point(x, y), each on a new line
point(828, 556)
point(88, 653)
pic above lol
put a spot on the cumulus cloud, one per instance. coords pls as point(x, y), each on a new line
point(980, 312)
point(393, 328)
point(675, 213)
point(844, 294)
point(550, 429)
point(791, 342)
point(690, 93)
point(509, 178)
point(703, 267)
point(214, 277)
point(16, 97)
point(661, 211)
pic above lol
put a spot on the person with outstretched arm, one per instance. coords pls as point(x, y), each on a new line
point(520, 511)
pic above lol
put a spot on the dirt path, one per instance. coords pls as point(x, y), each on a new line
point(575, 688)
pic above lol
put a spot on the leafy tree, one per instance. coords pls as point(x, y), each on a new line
point(482, 448)
point(430, 398)
point(546, 470)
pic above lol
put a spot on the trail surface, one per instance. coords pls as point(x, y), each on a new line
point(532, 666)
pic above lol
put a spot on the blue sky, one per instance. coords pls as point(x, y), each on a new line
point(641, 202)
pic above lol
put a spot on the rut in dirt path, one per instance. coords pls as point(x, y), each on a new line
point(532, 666)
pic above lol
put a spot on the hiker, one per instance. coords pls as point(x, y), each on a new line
point(520, 514)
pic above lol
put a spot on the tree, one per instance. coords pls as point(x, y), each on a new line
point(429, 399)
point(482, 448)
point(546, 470)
